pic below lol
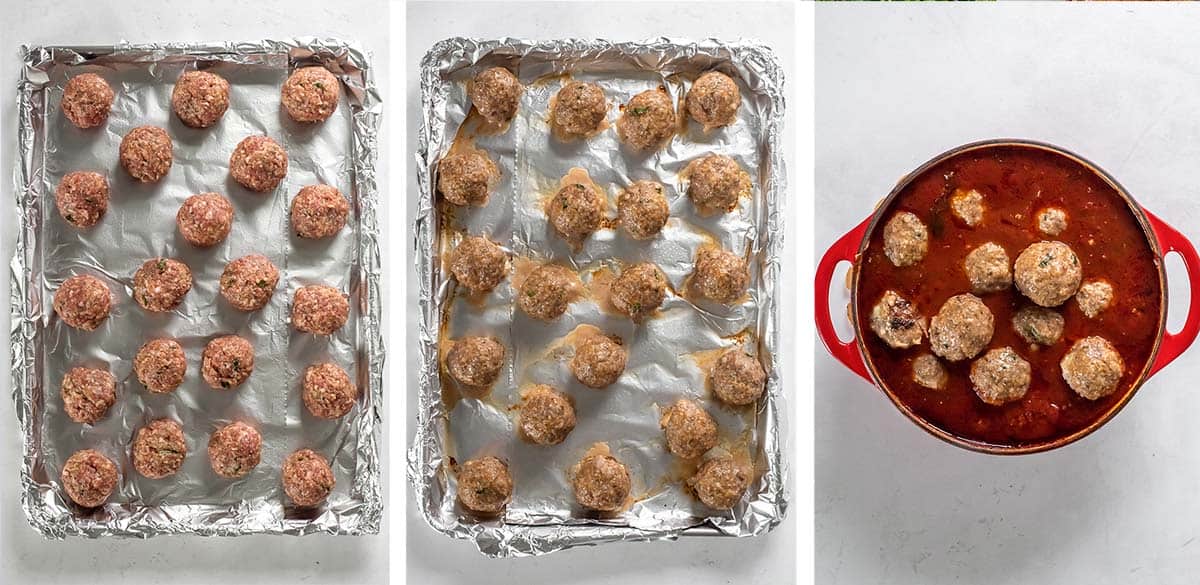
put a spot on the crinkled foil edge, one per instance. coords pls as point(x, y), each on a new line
point(427, 454)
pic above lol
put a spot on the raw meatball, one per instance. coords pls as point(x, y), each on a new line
point(159, 449)
point(905, 239)
point(496, 92)
point(547, 415)
point(579, 109)
point(642, 208)
point(479, 264)
point(738, 378)
point(328, 392)
point(86, 100)
point(1092, 368)
point(475, 361)
point(639, 290)
point(967, 206)
point(720, 483)
point(307, 478)
point(716, 182)
point(319, 211)
point(89, 478)
point(713, 100)
point(599, 360)
point(1052, 221)
point(83, 302)
point(485, 485)
point(1048, 273)
point(258, 163)
point(227, 361)
point(689, 429)
point(310, 94)
point(720, 275)
point(601, 483)
point(320, 310)
point(575, 212)
point(648, 120)
point(161, 283)
point(962, 328)
point(88, 393)
point(467, 178)
point(987, 268)
point(547, 291)
point(146, 153)
point(1093, 297)
point(204, 220)
point(234, 450)
point(160, 365)
point(1039, 325)
point(82, 198)
point(248, 282)
point(1000, 376)
point(896, 321)
point(929, 372)
point(200, 98)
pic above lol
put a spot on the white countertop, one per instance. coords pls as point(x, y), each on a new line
point(896, 85)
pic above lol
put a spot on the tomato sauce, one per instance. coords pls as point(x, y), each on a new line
point(1016, 182)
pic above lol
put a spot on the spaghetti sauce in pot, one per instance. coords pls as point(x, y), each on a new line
point(1016, 183)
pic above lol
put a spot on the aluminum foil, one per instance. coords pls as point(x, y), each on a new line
point(140, 224)
point(667, 354)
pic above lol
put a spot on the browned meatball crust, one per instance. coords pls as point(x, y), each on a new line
point(599, 360)
point(496, 93)
point(738, 378)
point(575, 212)
point(720, 483)
point(467, 178)
point(689, 429)
point(475, 361)
point(716, 183)
point(547, 291)
point(579, 109)
point(713, 100)
point(643, 210)
point(648, 120)
point(479, 264)
point(639, 291)
point(1048, 273)
point(485, 485)
point(601, 483)
point(721, 275)
point(547, 415)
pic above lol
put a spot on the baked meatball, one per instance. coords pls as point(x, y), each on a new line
point(485, 485)
point(89, 478)
point(83, 302)
point(967, 206)
point(1092, 368)
point(1093, 297)
point(496, 93)
point(159, 449)
point(328, 391)
point(234, 450)
point(575, 212)
point(547, 415)
point(639, 291)
point(82, 198)
point(319, 310)
point(160, 365)
point(248, 282)
point(86, 100)
point(599, 360)
point(896, 321)
point(737, 378)
point(905, 239)
point(227, 361)
point(88, 393)
point(579, 110)
point(720, 483)
point(467, 178)
point(205, 219)
point(648, 120)
point(479, 264)
point(1039, 325)
point(716, 182)
point(146, 153)
point(987, 269)
point(961, 328)
point(1000, 376)
point(720, 275)
point(927, 371)
point(1052, 221)
point(713, 100)
point(310, 94)
point(1048, 273)
point(258, 163)
point(689, 429)
point(307, 478)
point(475, 361)
point(547, 291)
point(161, 283)
point(643, 210)
point(200, 98)
point(601, 483)
point(319, 211)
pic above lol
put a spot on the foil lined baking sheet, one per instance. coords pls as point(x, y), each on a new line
point(140, 224)
point(669, 355)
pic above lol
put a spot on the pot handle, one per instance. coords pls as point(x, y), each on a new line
point(1174, 344)
point(843, 250)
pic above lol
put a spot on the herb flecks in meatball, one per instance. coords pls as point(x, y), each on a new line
point(310, 94)
point(258, 163)
point(716, 183)
point(1039, 325)
point(720, 275)
point(576, 211)
point(307, 478)
point(1094, 297)
point(161, 283)
point(967, 206)
point(146, 153)
point(200, 98)
point(475, 362)
point(479, 264)
point(496, 94)
point(548, 291)
point(961, 328)
point(89, 478)
point(642, 209)
point(320, 310)
point(467, 177)
point(988, 269)
point(896, 321)
point(205, 219)
point(319, 211)
point(689, 429)
point(905, 239)
point(160, 365)
point(227, 362)
point(547, 415)
point(638, 291)
point(1093, 368)
point(927, 371)
point(1052, 221)
point(234, 450)
point(83, 302)
point(88, 393)
point(720, 482)
point(1048, 273)
point(738, 378)
point(159, 449)
point(82, 198)
point(1001, 376)
point(328, 392)
point(249, 282)
point(648, 120)
point(578, 111)
point(599, 360)
point(713, 100)
point(601, 483)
